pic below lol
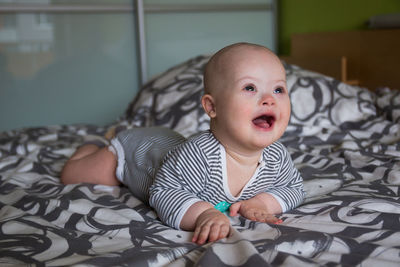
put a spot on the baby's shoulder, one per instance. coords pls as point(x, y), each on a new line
point(204, 140)
point(202, 143)
point(275, 152)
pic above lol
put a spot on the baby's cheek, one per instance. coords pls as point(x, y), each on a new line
point(286, 111)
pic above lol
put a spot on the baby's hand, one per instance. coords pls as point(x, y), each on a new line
point(253, 209)
point(211, 225)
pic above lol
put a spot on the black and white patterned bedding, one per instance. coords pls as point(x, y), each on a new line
point(344, 139)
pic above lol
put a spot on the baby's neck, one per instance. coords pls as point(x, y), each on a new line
point(240, 168)
point(243, 159)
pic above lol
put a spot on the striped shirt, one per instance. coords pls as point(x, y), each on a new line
point(196, 171)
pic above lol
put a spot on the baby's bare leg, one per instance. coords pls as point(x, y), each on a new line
point(91, 164)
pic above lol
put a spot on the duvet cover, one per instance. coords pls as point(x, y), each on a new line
point(345, 140)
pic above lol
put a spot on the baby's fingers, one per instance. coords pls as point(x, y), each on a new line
point(268, 218)
point(201, 233)
point(218, 232)
point(234, 209)
point(210, 233)
point(260, 216)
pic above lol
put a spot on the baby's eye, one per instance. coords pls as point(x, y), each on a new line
point(279, 90)
point(249, 88)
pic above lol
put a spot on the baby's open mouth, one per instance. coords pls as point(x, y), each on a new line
point(264, 121)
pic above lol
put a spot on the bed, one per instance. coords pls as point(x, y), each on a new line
point(344, 139)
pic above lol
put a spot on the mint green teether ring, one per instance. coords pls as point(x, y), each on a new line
point(222, 206)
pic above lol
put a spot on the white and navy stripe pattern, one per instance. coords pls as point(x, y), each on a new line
point(193, 172)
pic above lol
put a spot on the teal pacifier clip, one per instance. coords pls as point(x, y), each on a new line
point(222, 206)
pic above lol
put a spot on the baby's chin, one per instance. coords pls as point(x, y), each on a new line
point(265, 138)
point(264, 144)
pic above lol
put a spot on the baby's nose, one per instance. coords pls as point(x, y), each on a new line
point(268, 100)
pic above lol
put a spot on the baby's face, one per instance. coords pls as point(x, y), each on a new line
point(252, 105)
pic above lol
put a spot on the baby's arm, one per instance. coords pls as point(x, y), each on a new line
point(261, 207)
point(286, 194)
point(174, 196)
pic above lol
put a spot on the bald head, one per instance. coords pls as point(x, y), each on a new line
point(220, 62)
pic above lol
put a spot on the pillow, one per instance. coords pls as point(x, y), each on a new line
point(172, 100)
point(388, 103)
point(324, 101)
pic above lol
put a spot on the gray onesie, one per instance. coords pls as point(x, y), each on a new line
point(140, 152)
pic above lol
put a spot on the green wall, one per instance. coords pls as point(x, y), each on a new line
point(303, 16)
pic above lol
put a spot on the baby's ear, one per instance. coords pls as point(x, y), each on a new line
point(207, 101)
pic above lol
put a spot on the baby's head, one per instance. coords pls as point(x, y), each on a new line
point(246, 96)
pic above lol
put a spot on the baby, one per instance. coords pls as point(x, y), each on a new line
point(237, 164)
